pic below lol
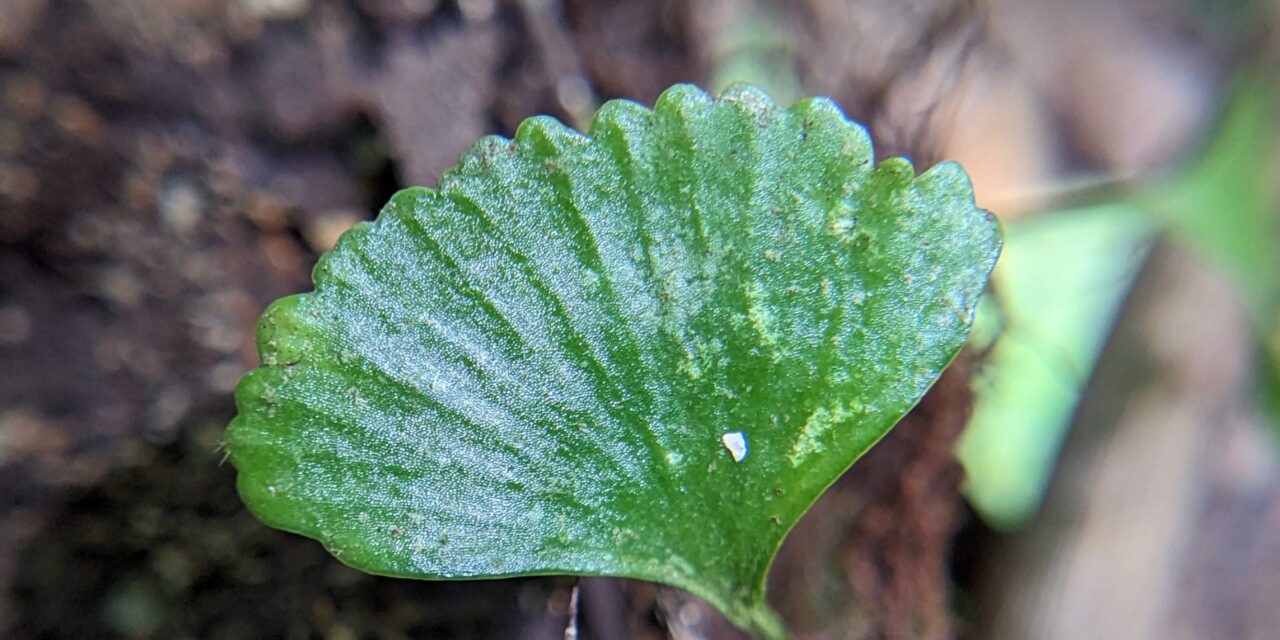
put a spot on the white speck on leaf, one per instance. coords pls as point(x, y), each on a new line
point(736, 443)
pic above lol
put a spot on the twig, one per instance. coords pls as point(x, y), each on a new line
point(560, 60)
point(571, 629)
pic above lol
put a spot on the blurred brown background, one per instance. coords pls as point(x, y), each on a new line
point(168, 167)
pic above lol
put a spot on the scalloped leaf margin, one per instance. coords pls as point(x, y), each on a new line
point(640, 353)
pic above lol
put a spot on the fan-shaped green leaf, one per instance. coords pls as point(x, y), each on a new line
point(643, 352)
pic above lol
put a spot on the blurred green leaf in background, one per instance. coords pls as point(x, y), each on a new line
point(1064, 275)
point(1227, 210)
point(1058, 285)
